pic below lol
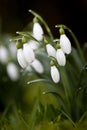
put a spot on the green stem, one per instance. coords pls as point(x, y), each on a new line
point(66, 85)
point(75, 39)
point(65, 82)
point(44, 23)
point(68, 94)
point(27, 34)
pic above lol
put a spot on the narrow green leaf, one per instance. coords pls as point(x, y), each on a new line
point(64, 113)
point(38, 80)
point(82, 117)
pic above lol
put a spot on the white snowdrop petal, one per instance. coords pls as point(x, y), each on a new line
point(28, 53)
point(33, 44)
point(38, 31)
point(29, 68)
point(51, 50)
point(12, 71)
point(65, 44)
point(37, 66)
point(55, 74)
point(21, 58)
point(60, 56)
point(3, 54)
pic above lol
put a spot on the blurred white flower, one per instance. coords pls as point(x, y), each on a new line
point(4, 56)
point(12, 49)
point(65, 44)
point(12, 71)
point(55, 74)
point(33, 44)
point(51, 50)
point(21, 59)
point(28, 53)
point(38, 31)
point(36, 64)
point(60, 56)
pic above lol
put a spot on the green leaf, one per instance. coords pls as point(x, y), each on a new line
point(82, 117)
point(38, 80)
point(34, 117)
point(66, 115)
point(60, 98)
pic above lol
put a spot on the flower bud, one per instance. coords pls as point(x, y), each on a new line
point(51, 50)
point(37, 31)
point(21, 59)
point(55, 74)
point(28, 53)
point(12, 71)
point(60, 56)
point(65, 44)
point(36, 64)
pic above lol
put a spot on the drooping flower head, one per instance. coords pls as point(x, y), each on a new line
point(12, 71)
point(60, 56)
point(25, 54)
point(37, 31)
point(51, 51)
point(36, 64)
point(21, 59)
point(20, 55)
point(65, 43)
point(28, 53)
point(54, 73)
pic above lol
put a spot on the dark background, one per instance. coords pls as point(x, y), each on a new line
point(14, 15)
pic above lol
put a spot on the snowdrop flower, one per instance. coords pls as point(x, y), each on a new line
point(33, 44)
point(36, 64)
point(51, 50)
point(55, 74)
point(3, 54)
point(21, 59)
point(60, 56)
point(12, 71)
point(65, 44)
point(28, 53)
point(37, 31)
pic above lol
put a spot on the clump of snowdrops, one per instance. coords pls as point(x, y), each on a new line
point(60, 68)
